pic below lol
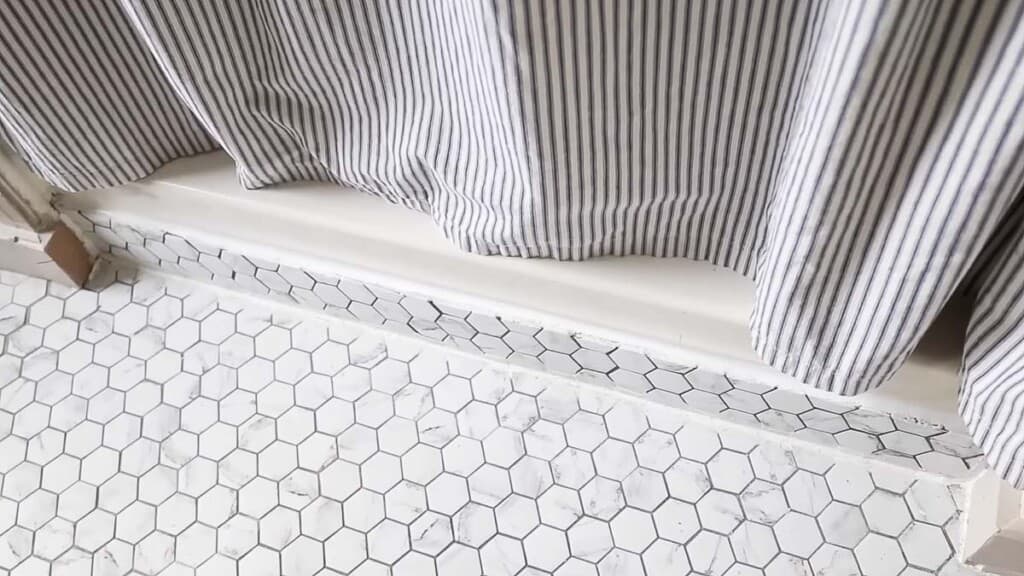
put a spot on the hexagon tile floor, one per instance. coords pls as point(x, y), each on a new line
point(159, 427)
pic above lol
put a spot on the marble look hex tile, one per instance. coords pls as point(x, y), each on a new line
point(288, 444)
point(841, 424)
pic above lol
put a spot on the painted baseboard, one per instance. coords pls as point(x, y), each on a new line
point(58, 254)
point(994, 526)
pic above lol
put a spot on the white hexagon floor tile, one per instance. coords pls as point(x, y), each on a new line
point(154, 426)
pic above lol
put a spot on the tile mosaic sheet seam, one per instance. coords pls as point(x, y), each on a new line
point(835, 423)
point(156, 427)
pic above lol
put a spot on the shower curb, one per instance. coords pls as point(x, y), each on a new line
point(839, 424)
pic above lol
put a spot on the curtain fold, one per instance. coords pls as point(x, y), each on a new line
point(861, 160)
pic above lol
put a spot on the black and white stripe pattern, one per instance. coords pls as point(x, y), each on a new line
point(861, 160)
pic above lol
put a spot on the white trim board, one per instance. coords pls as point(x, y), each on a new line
point(655, 304)
point(994, 526)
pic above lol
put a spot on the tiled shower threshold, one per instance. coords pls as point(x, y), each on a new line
point(159, 426)
point(214, 407)
point(673, 379)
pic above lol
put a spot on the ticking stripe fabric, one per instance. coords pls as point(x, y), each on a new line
point(860, 159)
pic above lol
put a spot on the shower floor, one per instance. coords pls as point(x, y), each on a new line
point(157, 426)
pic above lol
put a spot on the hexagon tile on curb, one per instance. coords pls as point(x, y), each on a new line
point(156, 427)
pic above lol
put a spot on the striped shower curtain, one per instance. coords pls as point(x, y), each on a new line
point(861, 160)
